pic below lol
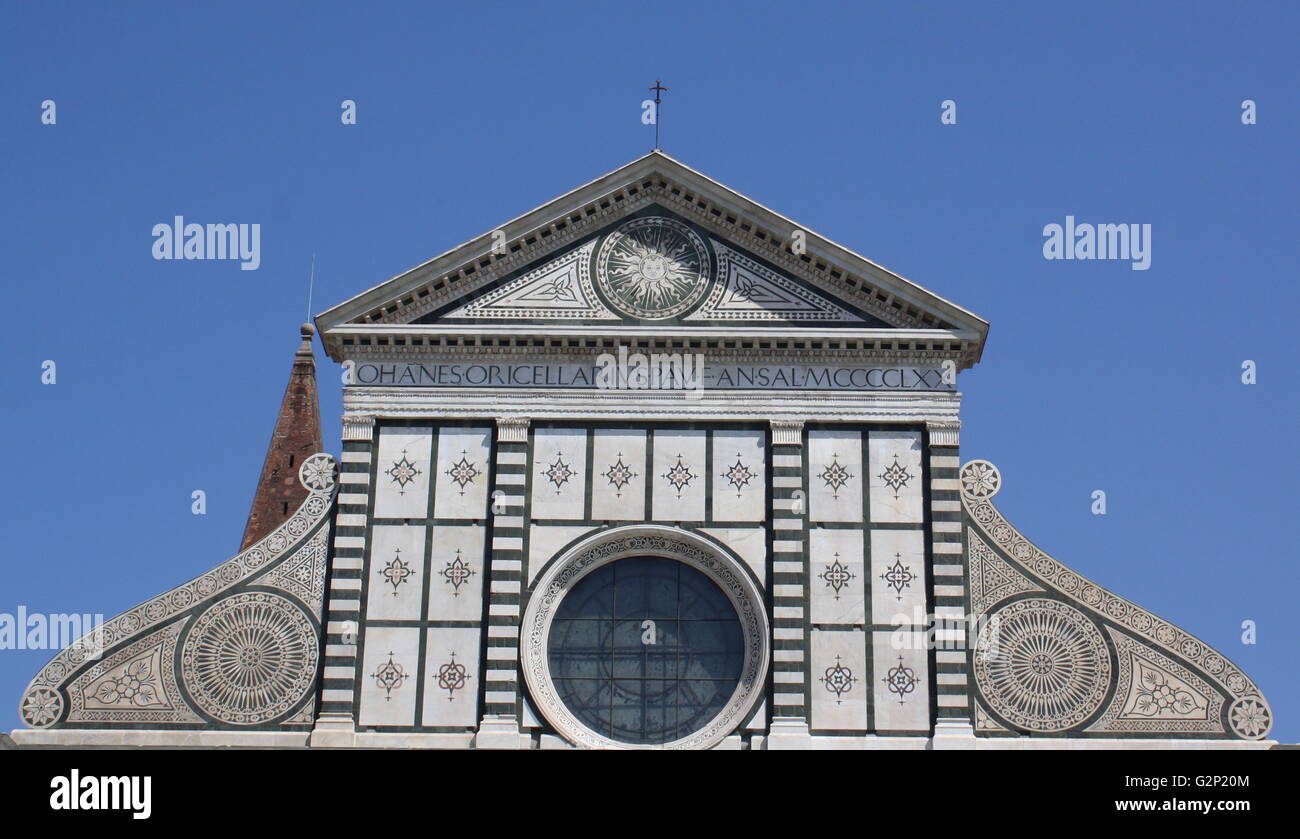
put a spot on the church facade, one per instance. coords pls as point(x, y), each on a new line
point(650, 466)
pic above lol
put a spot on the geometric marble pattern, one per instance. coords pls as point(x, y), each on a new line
point(303, 574)
point(451, 677)
point(461, 479)
point(388, 685)
point(249, 658)
point(137, 683)
point(895, 476)
point(559, 290)
point(457, 580)
point(1155, 693)
point(1248, 714)
point(402, 481)
point(901, 681)
point(43, 702)
point(749, 291)
point(559, 473)
point(834, 461)
point(1042, 665)
point(396, 585)
point(991, 579)
point(739, 460)
point(618, 474)
point(840, 687)
point(898, 577)
point(679, 477)
point(838, 584)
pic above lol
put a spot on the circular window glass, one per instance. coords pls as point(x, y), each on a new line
point(645, 650)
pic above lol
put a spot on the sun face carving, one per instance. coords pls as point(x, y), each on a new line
point(653, 268)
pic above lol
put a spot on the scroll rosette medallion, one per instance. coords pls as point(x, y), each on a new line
point(237, 646)
point(1057, 653)
point(653, 268)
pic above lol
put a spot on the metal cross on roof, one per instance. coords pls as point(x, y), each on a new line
point(658, 89)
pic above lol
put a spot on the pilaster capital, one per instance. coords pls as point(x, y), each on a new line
point(787, 432)
point(512, 429)
point(358, 427)
point(944, 433)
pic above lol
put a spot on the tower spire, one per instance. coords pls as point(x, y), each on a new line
point(296, 437)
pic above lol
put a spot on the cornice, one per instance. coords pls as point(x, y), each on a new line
point(393, 343)
point(731, 405)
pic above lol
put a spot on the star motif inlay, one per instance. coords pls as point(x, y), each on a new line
point(558, 473)
point(679, 476)
point(457, 573)
point(403, 472)
point(463, 472)
point(835, 476)
point(896, 476)
point(898, 576)
point(396, 571)
point(739, 475)
point(619, 475)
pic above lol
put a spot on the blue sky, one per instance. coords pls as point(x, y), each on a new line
point(1095, 376)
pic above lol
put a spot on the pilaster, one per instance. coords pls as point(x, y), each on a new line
point(337, 718)
point(789, 586)
point(951, 592)
point(499, 727)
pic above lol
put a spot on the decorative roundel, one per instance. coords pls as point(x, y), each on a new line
point(980, 480)
point(653, 268)
point(317, 472)
point(1042, 665)
point(1250, 717)
point(250, 658)
point(41, 707)
point(731, 646)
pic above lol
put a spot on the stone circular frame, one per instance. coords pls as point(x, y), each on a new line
point(653, 268)
point(645, 540)
point(250, 658)
point(1042, 665)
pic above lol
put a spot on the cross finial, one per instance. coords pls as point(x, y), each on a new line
point(658, 89)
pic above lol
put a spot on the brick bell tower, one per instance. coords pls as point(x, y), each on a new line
point(296, 437)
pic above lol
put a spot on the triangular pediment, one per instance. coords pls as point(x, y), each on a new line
point(650, 267)
point(652, 244)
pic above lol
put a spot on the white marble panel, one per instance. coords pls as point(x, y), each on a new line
point(396, 584)
point(559, 473)
point(402, 473)
point(898, 577)
point(739, 475)
point(456, 574)
point(451, 677)
point(837, 583)
point(460, 490)
point(840, 683)
point(679, 478)
point(749, 543)
point(894, 479)
point(835, 475)
point(544, 541)
point(618, 474)
point(902, 685)
point(388, 676)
